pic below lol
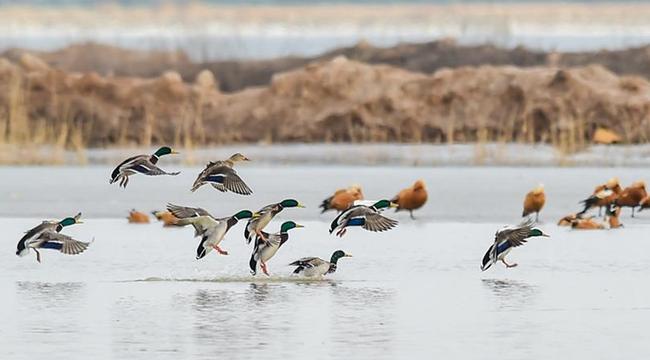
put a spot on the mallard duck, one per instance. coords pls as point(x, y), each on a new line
point(46, 236)
point(267, 246)
point(507, 238)
point(368, 217)
point(221, 175)
point(342, 199)
point(534, 202)
point(211, 230)
point(313, 266)
point(264, 216)
point(141, 164)
point(411, 198)
point(137, 217)
point(166, 217)
point(603, 196)
point(632, 196)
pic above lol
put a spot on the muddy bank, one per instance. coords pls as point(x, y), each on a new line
point(421, 57)
point(332, 101)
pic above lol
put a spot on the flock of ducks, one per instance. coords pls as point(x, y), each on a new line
point(353, 211)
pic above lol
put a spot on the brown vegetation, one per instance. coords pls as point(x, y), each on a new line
point(332, 101)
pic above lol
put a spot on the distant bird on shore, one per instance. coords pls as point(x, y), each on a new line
point(632, 196)
point(264, 216)
point(313, 266)
point(265, 249)
point(507, 238)
point(137, 217)
point(603, 196)
point(534, 202)
point(411, 198)
point(567, 220)
point(368, 217)
point(612, 213)
point(47, 236)
point(587, 224)
point(221, 175)
point(166, 217)
point(141, 164)
point(211, 230)
point(342, 199)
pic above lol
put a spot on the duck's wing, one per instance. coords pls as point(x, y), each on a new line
point(183, 212)
point(516, 236)
point(377, 222)
point(222, 177)
point(146, 167)
point(308, 262)
point(64, 243)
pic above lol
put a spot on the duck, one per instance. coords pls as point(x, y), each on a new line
point(632, 196)
point(137, 217)
point(587, 224)
point(342, 199)
point(221, 175)
point(166, 217)
point(317, 267)
point(507, 238)
point(613, 213)
point(210, 229)
point(268, 245)
point(534, 202)
point(411, 198)
point(603, 196)
point(567, 220)
point(368, 217)
point(47, 235)
point(141, 164)
point(264, 216)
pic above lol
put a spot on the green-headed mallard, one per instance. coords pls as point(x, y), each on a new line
point(264, 216)
point(265, 249)
point(221, 175)
point(46, 236)
point(313, 266)
point(507, 238)
point(141, 164)
point(368, 217)
point(210, 229)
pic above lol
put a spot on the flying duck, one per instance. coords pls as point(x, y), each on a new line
point(46, 236)
point(264, 216)
point(221, 175)
point(211, 230)
point(141, 164)
point(507, 238)
point(368, 217)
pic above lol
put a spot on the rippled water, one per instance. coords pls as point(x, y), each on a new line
point(415, 291)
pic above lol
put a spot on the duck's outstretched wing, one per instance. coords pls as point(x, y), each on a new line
point(199, 218)
point(376, 222)
point(64, 243)
point(223, 178)
point(183, 212)
point(144, 166)
point(515, 236)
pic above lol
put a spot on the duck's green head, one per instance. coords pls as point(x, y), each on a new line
point(337, 255)
point(536, 232)
point(244, 214)
point(165, 150)
point(69, 221)
point(383, 204)
point(289, 203)
point(288, 225)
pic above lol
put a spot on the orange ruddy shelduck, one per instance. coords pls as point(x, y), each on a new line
point(534, 202)
point(603, 196)
point(632, 196)
point(411, 198)
point(136, 217)
point(568, 220)
point(587, 224)
point(166, 217)
point(342, 199)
